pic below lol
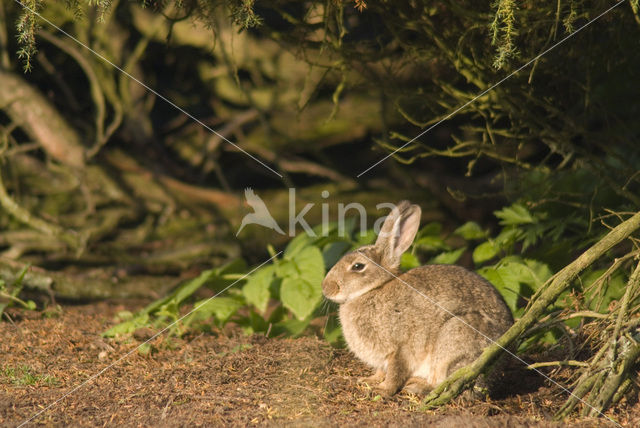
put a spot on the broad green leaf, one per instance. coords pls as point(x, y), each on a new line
point(219, 307)
point(504, 281)
point(220, 281)
point(409, 261)
point(485, 251)
point(310, 265)
point(188, 288)
point(333, 335)
point(530, 272)
point(144, 349)
point(296, 245)
point(514, 215)
point(431, 229)
point(287, 268)
point(257, 323)
point(470, 230)
point(548, 337)
point(293, 327)
point(300, 296)
point(507, 237)
point(449, 257)
point(612, 289)
point(127, 327)
point(256, 290)
point(539, 271)
point(430, 243)
point(3, 306)
point(590, 277)
point(367, 238)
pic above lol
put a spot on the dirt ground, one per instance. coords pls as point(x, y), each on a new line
point(223, 379)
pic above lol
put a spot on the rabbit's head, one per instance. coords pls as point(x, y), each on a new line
point(371, 266)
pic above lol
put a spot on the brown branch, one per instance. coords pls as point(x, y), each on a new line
point(26, 106)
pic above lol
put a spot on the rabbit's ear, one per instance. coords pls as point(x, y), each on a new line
point(398, 232)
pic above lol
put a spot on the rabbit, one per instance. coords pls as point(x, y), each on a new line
point(414, 328)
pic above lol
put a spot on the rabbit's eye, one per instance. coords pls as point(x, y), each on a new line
point(357, 267)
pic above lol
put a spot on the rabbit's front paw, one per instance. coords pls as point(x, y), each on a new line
point(374, 379)
point(418, 386)
point(386, 388)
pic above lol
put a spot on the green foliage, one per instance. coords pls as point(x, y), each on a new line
point(280, 297)
point(504, 32)
point(9, 293)
point(27, 26)
point(243, 15)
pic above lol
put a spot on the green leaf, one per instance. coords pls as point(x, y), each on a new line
point(514, 215)
point(287, 268)
point(297, 244)
point(470, 230)
point(189, 287)
point(448, 257)
point(612, 289)
point(300, 296)
point(431, 229)
point(256, 290)
point(293, 327)
point(367, 238)
point(333, 335)
point(506, 284)
point(310, 265)
point(540, 272)
point(431, 243)
point(219, 307)
point(409, 261)
point(227, 274)
point(485, 251)
point(507, 237)
point(128, 327)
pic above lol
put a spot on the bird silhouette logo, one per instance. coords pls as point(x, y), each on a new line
point(260, 214)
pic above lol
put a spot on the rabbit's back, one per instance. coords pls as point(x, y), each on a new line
point(456, 291)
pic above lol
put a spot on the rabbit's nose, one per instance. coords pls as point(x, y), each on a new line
point(330, 287)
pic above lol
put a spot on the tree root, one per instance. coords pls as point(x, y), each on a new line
point(26, 106)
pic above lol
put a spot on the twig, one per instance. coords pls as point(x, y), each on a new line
point(572, 363)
